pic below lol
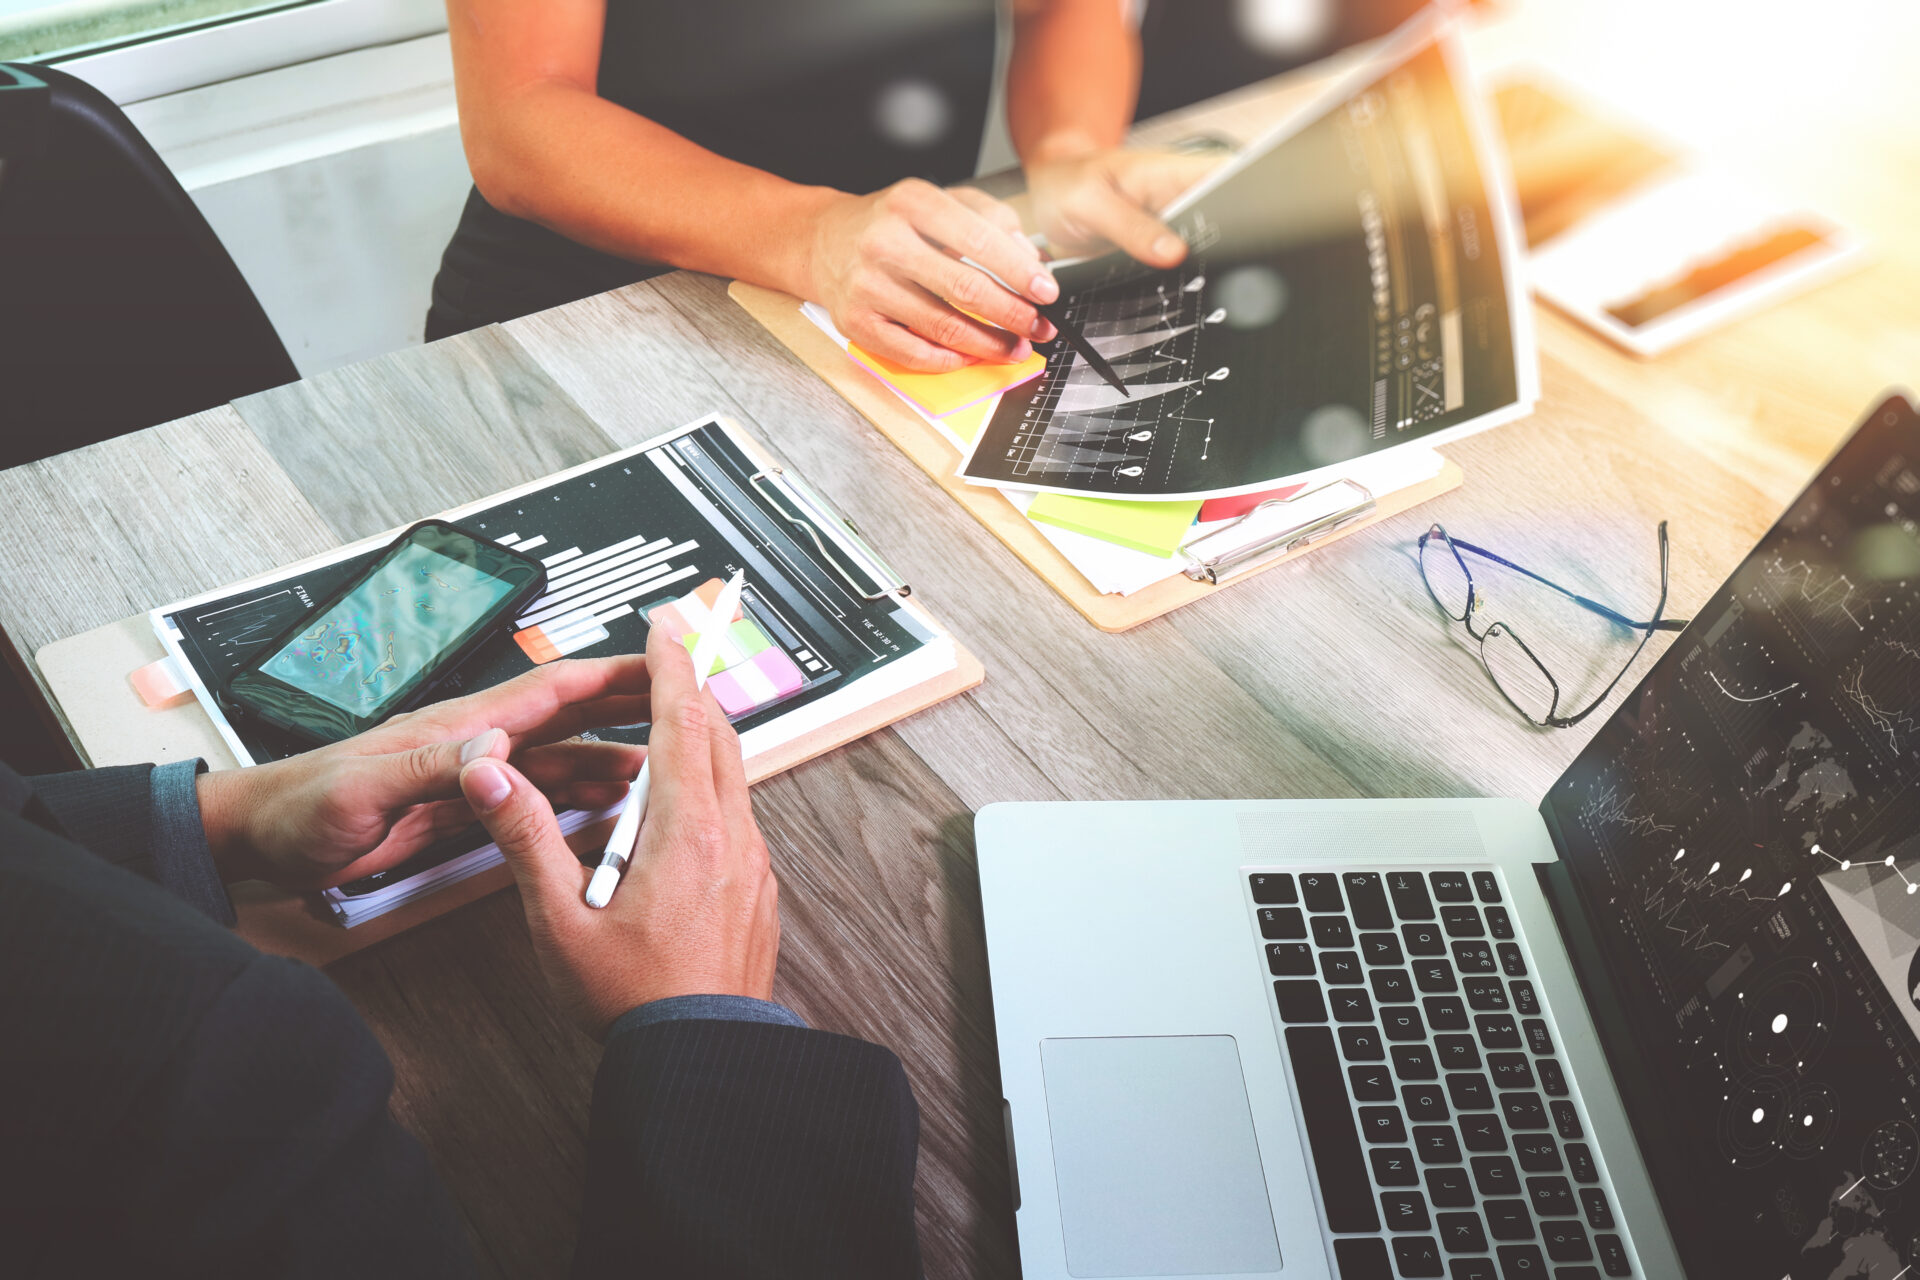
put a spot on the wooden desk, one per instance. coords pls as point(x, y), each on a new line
point(1331, 677)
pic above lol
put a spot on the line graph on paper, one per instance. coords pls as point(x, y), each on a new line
point(1078, 425)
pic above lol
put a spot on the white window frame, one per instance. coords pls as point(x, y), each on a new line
point(251, 43)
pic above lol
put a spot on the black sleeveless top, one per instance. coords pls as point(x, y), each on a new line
point(852, 94)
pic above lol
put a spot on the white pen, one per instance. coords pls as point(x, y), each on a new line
point(626, 830)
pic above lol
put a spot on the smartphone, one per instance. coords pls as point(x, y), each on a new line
point(379, 644)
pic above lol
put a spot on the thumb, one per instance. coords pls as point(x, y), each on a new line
point(521, 822)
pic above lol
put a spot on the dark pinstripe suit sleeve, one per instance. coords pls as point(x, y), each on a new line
point(745, 1150)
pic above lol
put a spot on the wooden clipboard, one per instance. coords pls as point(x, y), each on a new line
point(780, 314)
point(87, 675)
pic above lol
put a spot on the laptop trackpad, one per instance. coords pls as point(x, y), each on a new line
point(1155, 1158)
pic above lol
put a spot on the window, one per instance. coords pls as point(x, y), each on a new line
point(39, 29)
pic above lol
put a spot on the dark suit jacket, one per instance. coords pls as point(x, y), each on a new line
point(173, 1102)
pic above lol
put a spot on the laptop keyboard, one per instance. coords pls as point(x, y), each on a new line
point(1446, 1133)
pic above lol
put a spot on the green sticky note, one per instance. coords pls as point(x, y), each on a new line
point(1157, 528)
point(748, 639)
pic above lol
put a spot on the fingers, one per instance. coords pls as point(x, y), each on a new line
point(949, 222)
point(1114, 215)
point(521, 822)
point(730, 777)
point(927, 316)
point(549, 701)
point(680, 740)
point(582, 775)
point(401, 779)
point(896, 343)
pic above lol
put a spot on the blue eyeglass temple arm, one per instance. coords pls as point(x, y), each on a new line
point(1664, 624)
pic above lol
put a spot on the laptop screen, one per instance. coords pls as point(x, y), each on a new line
point(1745, 835)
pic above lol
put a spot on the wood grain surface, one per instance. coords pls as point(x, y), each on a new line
point(1333, 676)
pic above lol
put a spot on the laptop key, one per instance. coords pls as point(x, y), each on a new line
point(1363, 1258)
point(1495, 1176)
point(1457, 1053)
point(1382, 1124)
point(1473, 957)
point(1576, 1273)
point(1332, 931)
point(1536, 1152)
point(1341, 968)
point(1402, 1022)
point(1282, 923)
point(1566, 1240)
point(1580, 1163)
point(1566, 1119)
point(1391, 986)
point(1414, 1062)
point(1451, 886)
point(1523, 998)
point(1449, 1188)
point(1446, 1013)
point(1433, 975)
point(1350, 1004)
point(1471, 1269)
point(1300, 1001)
point(1538, 1038)
point(1371, 1084)
point(1367, 901)
point(1521, 1262)
point(1552, 1079)
point(1418, 1257)
point(1497, 1030)
point(1320, 890)
point(1424, 939)
point(1394, 1167)
point(1551, 1198)
point(1523, 1111)
point(1289, 959)
point(1485, 994)
point(1381, 948)
point(1512, 963)
point(1488, 885)
point(1362, 1044)
point(1499, 923)
point(1482, 1131)
point(1599, 1212)
point(1404, 1211)
point(1424, 1101)
point(1462, 922)
point(1510, 1070)
point(1469, 1091)
point(1331, 1134)
point(1409, 890)
point(1461, 1233)
point(1508, 1219)
point(1437, 1144)
point(1273, 888)
point(1613, 1256)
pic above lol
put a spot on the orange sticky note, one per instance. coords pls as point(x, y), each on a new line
point(942, 393)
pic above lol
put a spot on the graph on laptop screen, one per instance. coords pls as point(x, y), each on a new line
point(1748, 828)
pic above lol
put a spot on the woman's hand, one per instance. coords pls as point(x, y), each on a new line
point(1096, 200)
point(888, 269)
point(361, 806)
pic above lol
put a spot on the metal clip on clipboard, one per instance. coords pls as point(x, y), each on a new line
point(802, 507)
point(1211, 556)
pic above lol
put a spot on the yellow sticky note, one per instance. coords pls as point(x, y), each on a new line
point(942, 393)
point(966, 423)
point(1157, 528)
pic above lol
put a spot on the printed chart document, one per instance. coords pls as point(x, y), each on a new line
point(821, 634)
point(1354, 284)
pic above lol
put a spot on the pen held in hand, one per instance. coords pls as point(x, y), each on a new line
point(1056, 316)
point(626, 829)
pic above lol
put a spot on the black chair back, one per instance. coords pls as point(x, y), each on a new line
point(119, 307)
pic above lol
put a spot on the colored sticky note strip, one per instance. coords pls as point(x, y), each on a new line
point(1241, 503)
point(766, 677)
point(942, 393)
point(161, 684)
point(553, 640)
point(684, 617)
point(1157, 528)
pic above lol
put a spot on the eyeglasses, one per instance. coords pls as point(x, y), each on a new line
point(1516, 670)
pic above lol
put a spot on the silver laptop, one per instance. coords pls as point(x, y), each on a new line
point(1665, 1025)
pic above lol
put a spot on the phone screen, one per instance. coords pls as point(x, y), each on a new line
point(372, 644)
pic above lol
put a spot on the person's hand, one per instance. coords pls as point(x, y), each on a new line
point(360, 806)
point(1094, 201)
point(887, 268)
point(697, 912)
